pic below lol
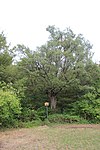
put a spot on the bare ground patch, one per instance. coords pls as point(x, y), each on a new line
point(59, 137)
point(80, 126)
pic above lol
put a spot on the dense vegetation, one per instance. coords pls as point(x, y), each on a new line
point(61, 72)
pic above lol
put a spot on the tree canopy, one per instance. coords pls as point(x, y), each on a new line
point(61, 72)
point(59, 66)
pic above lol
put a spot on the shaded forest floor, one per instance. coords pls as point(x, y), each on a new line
point(57, 137)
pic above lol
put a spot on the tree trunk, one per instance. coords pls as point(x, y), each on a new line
point(53, 101)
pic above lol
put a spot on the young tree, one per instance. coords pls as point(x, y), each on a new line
point(6, 59)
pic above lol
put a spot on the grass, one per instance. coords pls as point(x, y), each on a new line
point(73, 138)
point(58, 137)
point(83, 139)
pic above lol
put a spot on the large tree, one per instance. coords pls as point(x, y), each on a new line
point(59, 66)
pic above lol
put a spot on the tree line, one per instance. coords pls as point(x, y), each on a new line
point(61, 72)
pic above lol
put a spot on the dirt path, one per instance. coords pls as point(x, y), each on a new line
point(80, 126)
point(32, 138)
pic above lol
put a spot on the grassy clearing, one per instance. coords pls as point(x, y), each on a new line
point(61, 137)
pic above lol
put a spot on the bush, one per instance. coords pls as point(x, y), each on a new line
point(89, 108)
point(41, 112)
point(59, 118)
point(28, 114)
point(29, 124)
point(10, 108)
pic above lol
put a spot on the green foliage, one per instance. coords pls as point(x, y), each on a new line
point(89, 107)
point(7, 87)
point(59, 118)
point(29, 124)
point(10, 108)
point(28, 115)
point(3, 42)
point(57, 66)
point(41, 112)
point(61, 72)
point(6, 59)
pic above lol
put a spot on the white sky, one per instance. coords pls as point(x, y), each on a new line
point(25, 21)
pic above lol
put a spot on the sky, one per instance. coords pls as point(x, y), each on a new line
point(25, 21)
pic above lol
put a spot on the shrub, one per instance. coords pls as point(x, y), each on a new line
point(28, 114)
point(88, 108)
point(10, 108)
point(29, 124)
point(41, 113)
point(60, 118)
